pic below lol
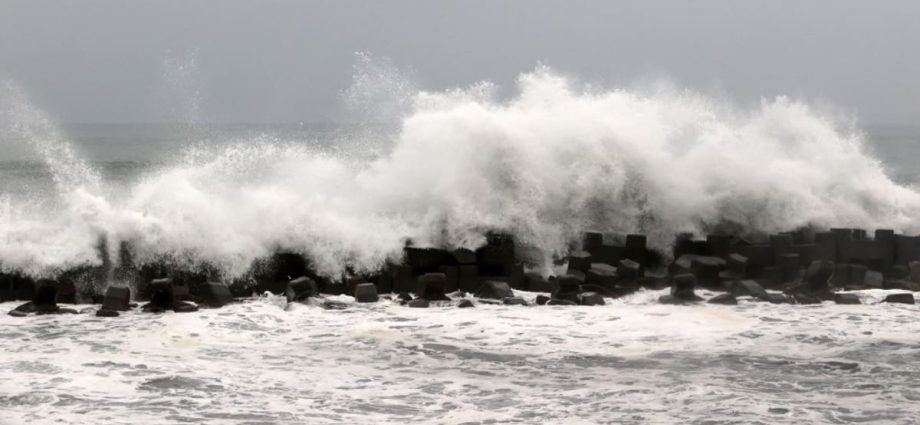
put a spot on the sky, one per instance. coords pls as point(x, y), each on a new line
point(289, 61)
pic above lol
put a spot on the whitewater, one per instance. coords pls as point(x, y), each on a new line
point(545, 165)
point(547, 162)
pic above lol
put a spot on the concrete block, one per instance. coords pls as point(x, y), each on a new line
point(117, 298)
point(431, 286)
point(601, 274)
point(495, 290)
point(366, 293)
point(579, 260)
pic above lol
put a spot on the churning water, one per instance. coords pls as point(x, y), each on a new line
point(442, 168)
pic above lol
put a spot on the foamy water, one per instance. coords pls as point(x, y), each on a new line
point(546, 164)
point(550, 161)
point(631, 361)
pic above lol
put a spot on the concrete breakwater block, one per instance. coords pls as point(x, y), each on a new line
point(16, 287)
point(847, 299)
point(366, 293)
point(216, 294)
point(494, 290)
point(748, 288)
point(567, 288)
point(431, 286)
point(44, 301)
point(601, 274)
point(514, 301)
point(580, 261)
point(724, 299)
point(683, 290)
point(904, 298)
point(300, 289)
point(117, 298)
point(591, 298)
point(163, 298)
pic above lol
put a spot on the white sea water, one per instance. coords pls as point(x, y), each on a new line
point(631, 361)
point(553, 160)
point(550, 161)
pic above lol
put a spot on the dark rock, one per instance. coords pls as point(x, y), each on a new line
point(749, 288)
point(683, 286)
point(557, 301)
point(542, 299)
point(514, 301)
point(726, 299)
point(495, 290)
point(591, 298)
point(104, 312)
point(904, 298)
point(300, 289)
point(215, 294)
point(431, 286)
point(846, 299)
point(465, 304)
point(17, 313)
point(418, 303)
point(116, 298)
point(366, 293)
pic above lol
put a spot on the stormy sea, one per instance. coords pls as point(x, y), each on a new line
point(544, 162)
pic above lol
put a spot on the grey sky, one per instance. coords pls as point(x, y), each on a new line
point(280, 61)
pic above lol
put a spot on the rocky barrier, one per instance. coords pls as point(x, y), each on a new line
point(800, 267)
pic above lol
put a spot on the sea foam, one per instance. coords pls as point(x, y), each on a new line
point(552, 160)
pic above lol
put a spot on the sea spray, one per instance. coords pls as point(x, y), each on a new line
point(548, 163)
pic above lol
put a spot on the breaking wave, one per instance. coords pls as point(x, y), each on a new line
point(551, 161)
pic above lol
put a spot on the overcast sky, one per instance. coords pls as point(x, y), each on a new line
point(287, 61)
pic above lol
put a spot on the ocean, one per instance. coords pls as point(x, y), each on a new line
point(546, 166)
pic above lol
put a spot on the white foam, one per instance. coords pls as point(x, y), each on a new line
point(631, 360)
point(548, 163)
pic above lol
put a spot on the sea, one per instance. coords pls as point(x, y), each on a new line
point(545, 165)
